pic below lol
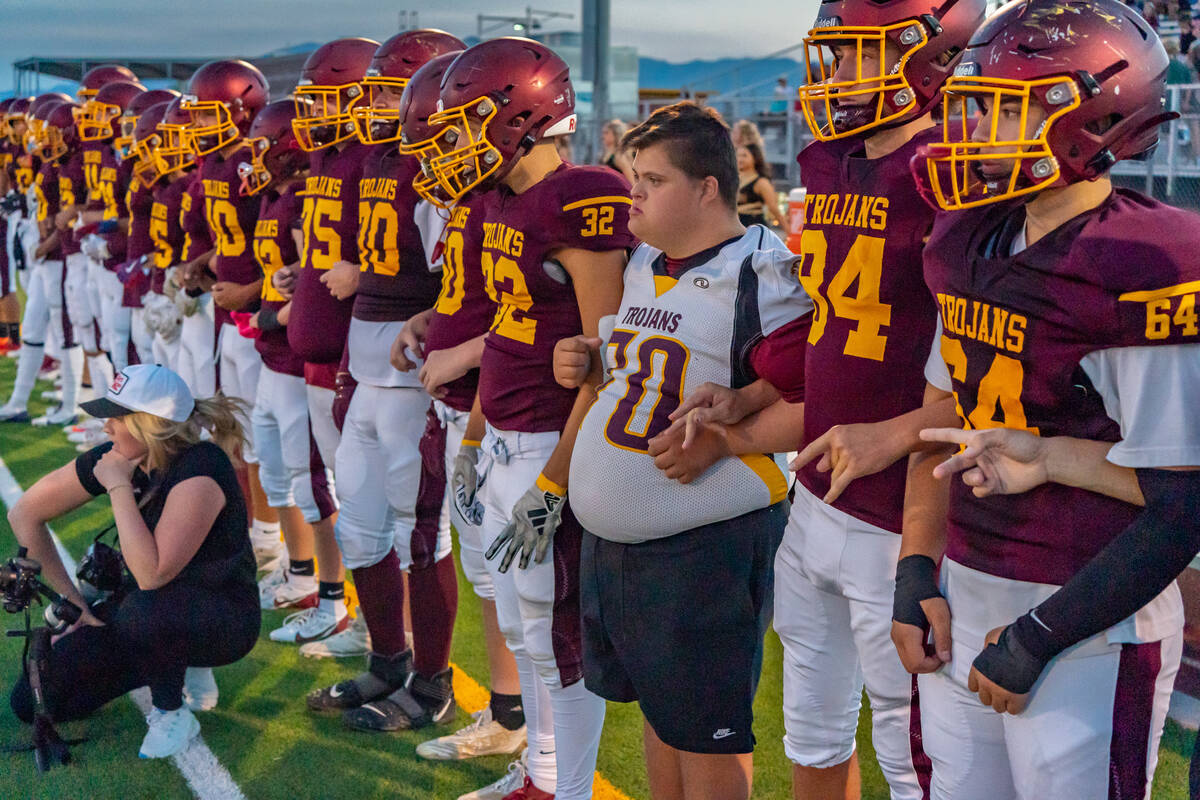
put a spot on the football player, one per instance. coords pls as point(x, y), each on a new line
point(391, 458)
point(135, 273)
point(705, 299)
point(555, 241)
point(18, 177)
point(46, 329)
point(449, 336)
point(319, 319)
point(1066, 312)
point(222, 100)
point(104, 222)
point(294, 477)
point(880, 67)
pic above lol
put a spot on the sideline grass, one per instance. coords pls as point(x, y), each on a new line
point(274, 748)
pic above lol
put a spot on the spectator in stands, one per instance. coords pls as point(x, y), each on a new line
point(756, 193)
point(190, 600)
point(1187, 34)
point(783, 94)
point(1179, 70)
point(614, 157)
point(746, 132)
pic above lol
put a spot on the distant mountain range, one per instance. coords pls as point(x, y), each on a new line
point(721, 75)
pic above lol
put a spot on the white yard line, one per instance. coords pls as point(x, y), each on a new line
point(205, 775)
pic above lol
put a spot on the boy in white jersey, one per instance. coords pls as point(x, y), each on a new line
point(704, 300)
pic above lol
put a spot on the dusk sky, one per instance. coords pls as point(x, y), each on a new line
point(674, 30)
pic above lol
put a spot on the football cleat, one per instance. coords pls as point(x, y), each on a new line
point(10, 413)
point(311, 624)
point(53, 395)
point(200, 690)
point(529, 792)
point(513, 780)
point(354, 641)
point(267, 586)
point(296, 591)
point(384, 675)
point(483, 737)
point(420, 702)
point(170, 732)
point(66, 416)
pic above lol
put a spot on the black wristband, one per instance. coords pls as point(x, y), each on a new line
point(1009, 664)
point(916, 580)
point(268, 319)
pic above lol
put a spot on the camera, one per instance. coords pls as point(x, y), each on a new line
point(102, 569)
point(20, 585)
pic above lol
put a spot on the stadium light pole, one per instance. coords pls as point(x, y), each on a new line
point(596, 44)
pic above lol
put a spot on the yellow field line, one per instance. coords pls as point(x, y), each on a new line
point(472, 697)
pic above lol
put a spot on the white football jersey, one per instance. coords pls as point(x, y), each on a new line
point(671, 335)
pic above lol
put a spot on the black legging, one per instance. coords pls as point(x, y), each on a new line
point(154, 636)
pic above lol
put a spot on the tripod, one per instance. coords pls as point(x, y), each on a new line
point(49, 749)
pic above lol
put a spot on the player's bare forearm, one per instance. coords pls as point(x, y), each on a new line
point(558, 467)
point(476, 424)
point(1084, 464)
point(777, 428)
point(48, 245)
point(903, 431)
point(926, 498)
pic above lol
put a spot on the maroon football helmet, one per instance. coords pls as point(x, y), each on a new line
point(174, 149)
point(35, 119)
point(1093, 72)
point(223, 97)
point(925, 37)
point(14, 119)
point(393, 64)
point(329, 88)
point(417, 136)
point(276, 153)
point(98, 120)
point(143, 141)
point(129, 120)
point(97, 78)
point(59, 135)
point(500, 97)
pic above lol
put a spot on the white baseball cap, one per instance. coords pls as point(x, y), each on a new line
point(144, 387)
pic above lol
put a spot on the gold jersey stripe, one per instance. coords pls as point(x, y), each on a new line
point(1159, 294)
point(768, 471)
point(596, 201)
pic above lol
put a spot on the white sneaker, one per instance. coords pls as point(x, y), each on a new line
point(200, 691)
point(10, 413)
point(58, 416)
point(91, 438)
point(354, 641)
point(53, 395)
point(268, 547)
point(170, 732)
point(511, 781)
point(311, 624)
point(267, 586)
point(296, 591)
point(483, 737)
point(85, 424)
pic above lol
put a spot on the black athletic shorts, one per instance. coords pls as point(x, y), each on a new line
point(677, 624)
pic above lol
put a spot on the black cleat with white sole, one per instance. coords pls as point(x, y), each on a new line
point(383, 676)
point(424, 701)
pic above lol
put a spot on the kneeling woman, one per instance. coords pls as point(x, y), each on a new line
point(181, 521)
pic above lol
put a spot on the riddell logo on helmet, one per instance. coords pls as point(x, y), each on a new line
point(967, 70)
point(572, 126)
point(828, 22)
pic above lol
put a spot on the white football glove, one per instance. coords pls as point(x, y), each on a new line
point(465, 481)
point(95, 248)
point(535, 518)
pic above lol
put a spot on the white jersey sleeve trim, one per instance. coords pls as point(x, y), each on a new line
point(1150, 391)
point(936, 371)
point(431, 223)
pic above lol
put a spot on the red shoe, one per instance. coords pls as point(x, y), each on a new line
point(529, 792)
point(7, 345)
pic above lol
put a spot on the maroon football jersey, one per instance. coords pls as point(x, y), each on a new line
point(396, 282)
point(463, 309)
point(72, 191)
point(584, 208)
point(230, 217)
point(139, 200)
point(197, 239)
point(319, 322)
point(45, 185)
point(23, 168)
point(1015, 330)
point(274, 248)
point(165, 230)
point(106, 182)
point(873, 326)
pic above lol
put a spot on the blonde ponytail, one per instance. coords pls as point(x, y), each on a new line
point(220, 416)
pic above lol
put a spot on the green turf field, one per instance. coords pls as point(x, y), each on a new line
point(274, 748)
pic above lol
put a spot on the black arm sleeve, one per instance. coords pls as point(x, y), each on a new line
point(85, 466)
point(1127, 574)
